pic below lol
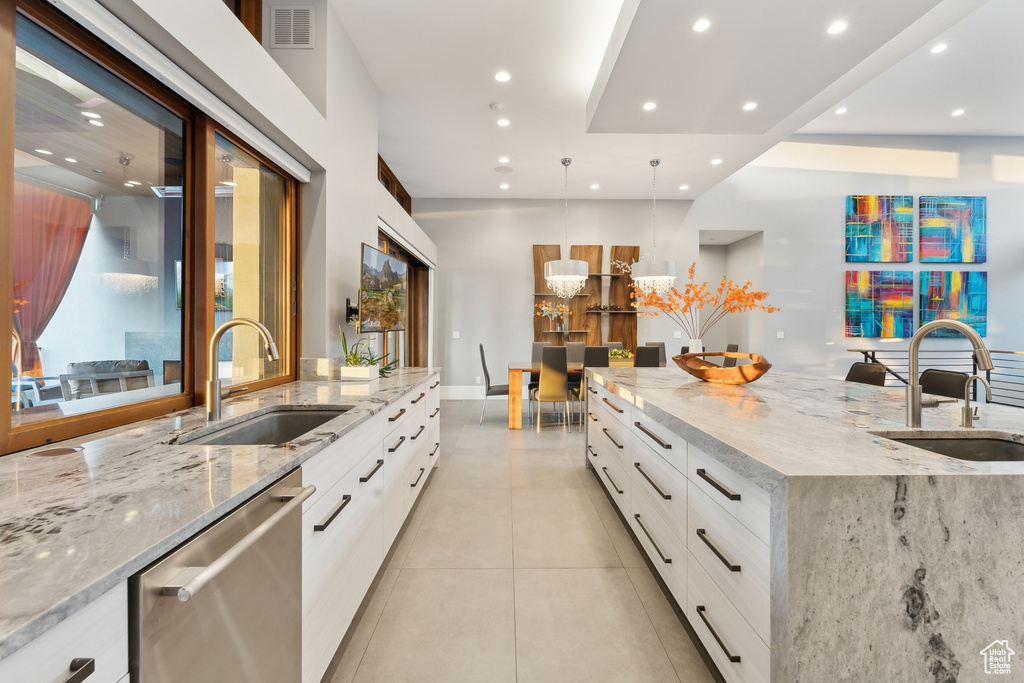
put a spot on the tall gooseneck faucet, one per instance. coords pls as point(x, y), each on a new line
point(17, 365)
point(213, 383)
point(914, 388)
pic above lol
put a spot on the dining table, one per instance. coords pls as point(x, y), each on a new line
point(515, 384)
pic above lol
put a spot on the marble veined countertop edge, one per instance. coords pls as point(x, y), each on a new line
point(793, 425)
point(116, 466)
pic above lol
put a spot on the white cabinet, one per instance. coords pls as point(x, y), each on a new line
point(98, 632)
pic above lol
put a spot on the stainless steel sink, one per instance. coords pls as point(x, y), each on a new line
point(273, 428)
point(979, 446)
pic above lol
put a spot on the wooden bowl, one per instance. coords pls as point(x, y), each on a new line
point(696, 365)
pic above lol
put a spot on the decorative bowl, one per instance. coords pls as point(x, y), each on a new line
point(696, 365)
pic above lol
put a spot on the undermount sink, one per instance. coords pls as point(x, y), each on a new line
point(980, 446)
point(268, 429)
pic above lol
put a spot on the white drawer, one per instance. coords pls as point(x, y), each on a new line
point(737, 561)
point(615, 481)
point(326, 468)
point(666, 550)
point(99, 631)
point(723, 631)
point(619, 408)
point(399, 412)
point(670, 446)
point(342, 549)
point(662, 486)
point(609, 437)
point(433, 444)
point(745, 501)
point(433, 394)
point(416, 478)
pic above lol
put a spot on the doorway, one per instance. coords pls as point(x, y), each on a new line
point(739, 256)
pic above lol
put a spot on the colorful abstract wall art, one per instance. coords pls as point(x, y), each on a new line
point(956, 295)
point(879, 228)
point(952, 229)
point(879, 303)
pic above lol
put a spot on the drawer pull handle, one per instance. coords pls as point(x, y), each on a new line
point(591, 389)
point(397, 445)
point(728, 493)
point(369, 475)
point(613, 406)
point(436, 384)
point(657, 439)
point(666, 560)
point(703, 535)
point(413, 485)
point(418, 432)
point(593, 453)
point(418, 398)
point(81, 668)
point(436, 411)
point(322, 526)
point(700, 613)
point(592, 417)
point(612, 438)
point(614, 485)
point(434, 452)
point(397, 415)
point(665, 496)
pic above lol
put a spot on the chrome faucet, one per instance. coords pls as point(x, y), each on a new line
point(213, 381)
point(16, 358)
point(967, 419)
point(914, 388)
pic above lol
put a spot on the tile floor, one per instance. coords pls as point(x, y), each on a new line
point(515, 567)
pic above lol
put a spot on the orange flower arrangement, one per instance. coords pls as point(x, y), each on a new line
point(551, 310)
point(682, 307)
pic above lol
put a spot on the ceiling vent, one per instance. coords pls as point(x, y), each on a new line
point(291, 27)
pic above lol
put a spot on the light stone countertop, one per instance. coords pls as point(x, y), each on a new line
point(787, 424)
point(74, 526)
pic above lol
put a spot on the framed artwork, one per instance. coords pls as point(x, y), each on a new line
point(952, 229)
point(879, 303)
point(383, 285)
point(879, 228)
point(955, 295)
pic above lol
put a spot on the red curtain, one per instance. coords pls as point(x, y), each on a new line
point(49, 231)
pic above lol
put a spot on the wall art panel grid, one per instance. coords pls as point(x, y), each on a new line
point(879, 303)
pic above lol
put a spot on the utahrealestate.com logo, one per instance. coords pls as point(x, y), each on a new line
point(997, 657)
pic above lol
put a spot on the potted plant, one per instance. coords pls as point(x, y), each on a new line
point(551, 310)
point(358, 363)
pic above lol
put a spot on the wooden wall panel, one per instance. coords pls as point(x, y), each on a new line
point(579, 320)
point(542, 253)
point(622, 325)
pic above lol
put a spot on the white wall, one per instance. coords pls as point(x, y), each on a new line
point(712, 266)
point(744, 262)
point(485, 275)
point(802, 215)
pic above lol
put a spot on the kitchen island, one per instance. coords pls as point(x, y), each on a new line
point(75, 526)
point(809, 548)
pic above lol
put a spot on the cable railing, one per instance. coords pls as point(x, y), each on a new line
point(1006, 376)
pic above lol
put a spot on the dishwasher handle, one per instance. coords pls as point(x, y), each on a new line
point(191, 580)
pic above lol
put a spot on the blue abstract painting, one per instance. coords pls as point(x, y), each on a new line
point(953, 229)
point(880, 228)
point(955, 295)
point(879, 303)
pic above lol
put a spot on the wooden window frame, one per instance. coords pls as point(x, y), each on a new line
point(394, 187)
point(250, 13)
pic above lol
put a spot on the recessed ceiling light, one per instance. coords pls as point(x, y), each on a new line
point(502, 77)
point(750, 106)
point(716, 162)
point(128, 185)
point(96, 123)
point(71, 160)
point(958, 112)
point(134, 182)
point(837, 27)
point(91, 115)
point(595, 186)
point(649, 106)
point(841, 111)
point(938, 47)
point(503, 186)
point(98, 170)
point(503, 122)
point(702, 25)
point(502, 160)
point(44, 151)
point(684, 187)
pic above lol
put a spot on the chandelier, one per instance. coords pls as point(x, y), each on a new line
point(649, 274)
point(566, 277)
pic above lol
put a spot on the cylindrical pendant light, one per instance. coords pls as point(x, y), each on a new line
point(649, 274)
point(566, 277)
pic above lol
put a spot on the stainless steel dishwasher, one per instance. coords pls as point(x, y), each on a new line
point(226, 605)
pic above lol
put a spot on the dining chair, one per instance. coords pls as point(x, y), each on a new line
point(730, 362)
point(534, 381)
point(684, 349)
point(489, 390)
point(646, 357)
point(554, 387)
point(661, 350)
point(574, 351)
point(612, 345)
point(944, 383)
point(867, 373)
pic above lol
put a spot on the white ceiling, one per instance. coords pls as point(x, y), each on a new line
point(581, 69)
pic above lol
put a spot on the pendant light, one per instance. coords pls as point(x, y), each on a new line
point(649, 274)
point(566, 277)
